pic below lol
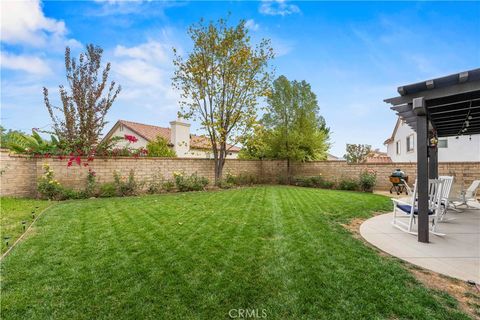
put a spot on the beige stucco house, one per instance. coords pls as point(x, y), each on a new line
point(185, 144)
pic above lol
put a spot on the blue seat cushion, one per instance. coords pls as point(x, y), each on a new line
point(407, 208)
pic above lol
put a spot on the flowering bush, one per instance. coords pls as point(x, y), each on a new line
point(130, 138)
point(91, 185)
point(189, 183)
point(37, 147)
point(48, 186)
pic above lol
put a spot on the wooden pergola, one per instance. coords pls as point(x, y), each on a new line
point(442, 107)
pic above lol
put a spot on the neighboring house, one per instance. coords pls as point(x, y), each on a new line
point(186, 145)
point(377, 156)
point(331, 157)
point(401, 146)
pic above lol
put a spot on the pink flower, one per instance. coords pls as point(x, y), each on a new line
point(130, 138)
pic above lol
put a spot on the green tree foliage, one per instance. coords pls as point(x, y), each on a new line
point(294, 130)
point(357, 153)
point(255, 143)
point(6, 136)
point(20, 142)
point(80, 120)
point(160, 148)
point(221, 81)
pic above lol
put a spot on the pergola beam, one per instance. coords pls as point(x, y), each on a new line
point(459, 88)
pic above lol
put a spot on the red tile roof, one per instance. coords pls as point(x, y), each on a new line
point(150, 132)
point(378, 157)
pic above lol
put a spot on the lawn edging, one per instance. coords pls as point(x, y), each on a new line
point(26, 231)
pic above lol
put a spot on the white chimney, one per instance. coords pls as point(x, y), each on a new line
point(180, 137)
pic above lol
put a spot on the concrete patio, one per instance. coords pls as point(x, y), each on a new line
point(457, 254)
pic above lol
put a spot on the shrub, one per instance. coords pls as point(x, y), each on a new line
point(368, 180)
point(189, 183)
point(327, 184)
point(155, 186)
point(126, 186)
point(348, 184)
point(242, 179)
point(168, 186)
point(311, 182)
point(107, 190)
point(225, 184)
point(48, 186)
point(91, 185)
point(283, 180)
point(68, 193)
point(160, 148)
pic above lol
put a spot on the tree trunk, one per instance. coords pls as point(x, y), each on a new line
point(219, 163)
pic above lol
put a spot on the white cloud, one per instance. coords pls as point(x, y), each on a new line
point(144, 72)
point(27, 63)
point(23, 22)
point(140, 72)
point(149, 51)
point(250, 24)
point(278, 8)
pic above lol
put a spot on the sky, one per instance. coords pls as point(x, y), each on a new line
point(354, 54)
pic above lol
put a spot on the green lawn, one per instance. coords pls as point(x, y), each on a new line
point(199, 255)
point(14, 211)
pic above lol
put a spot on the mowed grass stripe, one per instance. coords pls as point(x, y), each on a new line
point(198, 255)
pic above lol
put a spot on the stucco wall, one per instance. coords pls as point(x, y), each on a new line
point(19, 174)
point(465, 148)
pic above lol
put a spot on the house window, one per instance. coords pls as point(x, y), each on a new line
point(443, 143)
point(410, 143)
point(121, 128)
point(397, 146)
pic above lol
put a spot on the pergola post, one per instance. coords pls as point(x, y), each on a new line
point(422, 168)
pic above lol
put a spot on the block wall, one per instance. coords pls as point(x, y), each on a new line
point(19, 174)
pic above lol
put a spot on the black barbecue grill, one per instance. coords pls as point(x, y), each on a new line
point(399, 179)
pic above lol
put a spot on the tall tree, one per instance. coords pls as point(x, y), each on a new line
point(357, 153)
point(255, 143)
point(297, 131)
point(79, 121)
point(221, 81)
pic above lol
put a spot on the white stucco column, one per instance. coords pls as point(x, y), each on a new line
point(180, 137)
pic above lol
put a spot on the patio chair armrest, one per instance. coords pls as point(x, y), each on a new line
point(397, 202)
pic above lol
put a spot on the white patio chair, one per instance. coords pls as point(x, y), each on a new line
point(404, 210)
point(446, 189)
point(469, 195)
